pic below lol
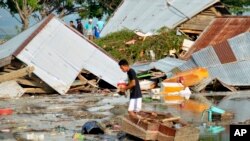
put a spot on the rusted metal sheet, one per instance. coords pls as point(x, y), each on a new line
point(221, 29)
point(224, 52)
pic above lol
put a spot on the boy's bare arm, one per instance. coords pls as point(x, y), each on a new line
point(130, 85)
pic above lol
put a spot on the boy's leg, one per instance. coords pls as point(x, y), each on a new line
point(134, 106)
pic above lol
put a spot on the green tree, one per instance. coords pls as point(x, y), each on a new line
point(239, 3)
point(85, 8)
point(61, 7)
point(96, 8)
point(237, 6)
point(23, 7)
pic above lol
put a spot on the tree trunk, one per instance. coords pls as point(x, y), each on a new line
point(24, 12)
point(25, 23)
point(62, 14)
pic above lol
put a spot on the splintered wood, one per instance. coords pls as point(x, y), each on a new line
point(82, 84)
point(16, 75)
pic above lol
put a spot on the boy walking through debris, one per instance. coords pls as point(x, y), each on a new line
point(134, 87)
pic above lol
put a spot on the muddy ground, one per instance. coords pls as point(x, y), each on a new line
point(57, 117)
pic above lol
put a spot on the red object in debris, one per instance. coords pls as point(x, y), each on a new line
point(6, 111)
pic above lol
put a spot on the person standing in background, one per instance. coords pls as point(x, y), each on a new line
point(79, 26)
point(100, 24)
point(71, 23)
point(89, 27)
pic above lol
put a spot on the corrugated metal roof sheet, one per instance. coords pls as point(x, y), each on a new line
point(151, 15)
point(224, 52)
point(188, 65)
point(142, 67)
point(206, 57)
point(167, 64)
point(221, 29)
point(58, 59)
point(9, 47)
point(234, 73)
point(240, 45)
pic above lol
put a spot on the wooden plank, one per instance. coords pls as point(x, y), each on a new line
point(16, 74)
point(191, 31)
point(83, 79)
point(171, 119)
point(28, 82)
point(215, 11)
point(8, 70)
point(37, 90)
point(78, 83)
point(199, 27)
point(133, 129)
point(77, 88)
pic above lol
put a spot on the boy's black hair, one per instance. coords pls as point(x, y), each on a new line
point(71, 21)
point(123, 62)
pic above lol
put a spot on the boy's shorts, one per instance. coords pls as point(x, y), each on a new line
point(135, 104)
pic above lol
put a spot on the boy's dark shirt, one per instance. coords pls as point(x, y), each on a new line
point(135, 92)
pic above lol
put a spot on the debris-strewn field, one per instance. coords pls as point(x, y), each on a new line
point(126, 44)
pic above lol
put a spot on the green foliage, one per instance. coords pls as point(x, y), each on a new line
point(12, 7)
point(96, 8)
point(161, 44)
point(237, 6)
point(239, 3)
point(33, 3)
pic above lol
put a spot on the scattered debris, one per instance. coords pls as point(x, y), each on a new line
point(6, 111)
point(158, 126)
point(131, 42)
point(92, 127)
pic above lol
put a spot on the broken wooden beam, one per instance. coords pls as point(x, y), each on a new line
point(83, 79)
point(78, 83)
point(28, 82)
point(171, 119)
point(16, 74)
point(37, 90)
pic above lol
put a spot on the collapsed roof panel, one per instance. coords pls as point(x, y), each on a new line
point(241, 52)
point(221, 29)
point(235, 73)
point(59, 53)
point(9, 47)
point(206, 57)
point(167, 64)
point(151, 15)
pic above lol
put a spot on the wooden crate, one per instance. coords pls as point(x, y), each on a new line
point(151, 120)
point(135, 130)
point(185, 133)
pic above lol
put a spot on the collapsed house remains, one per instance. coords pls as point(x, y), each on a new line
point(191, 17)
point(56, 54)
